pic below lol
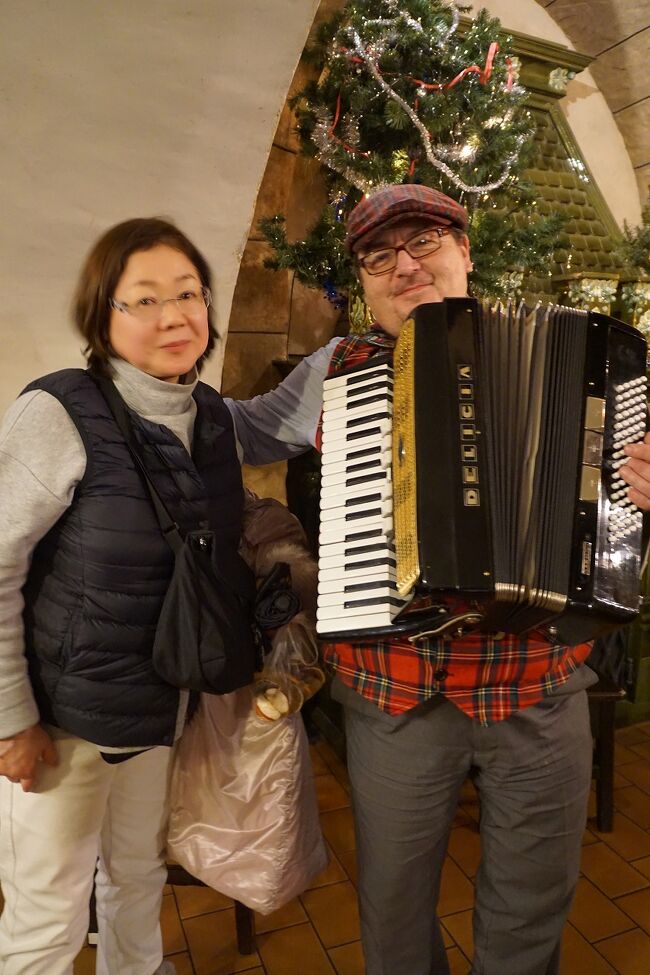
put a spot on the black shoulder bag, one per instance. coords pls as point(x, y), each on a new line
point(206, 638)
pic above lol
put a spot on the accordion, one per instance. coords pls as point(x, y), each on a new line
point(480, 468)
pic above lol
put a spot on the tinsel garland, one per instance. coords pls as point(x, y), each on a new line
point(405, 94)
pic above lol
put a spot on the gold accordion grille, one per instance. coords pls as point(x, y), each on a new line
point(404, 464)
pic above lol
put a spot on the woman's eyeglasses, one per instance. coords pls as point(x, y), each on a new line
point(150, 310)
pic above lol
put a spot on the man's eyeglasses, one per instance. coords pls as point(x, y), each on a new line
point(150, 310)
point(420, 245)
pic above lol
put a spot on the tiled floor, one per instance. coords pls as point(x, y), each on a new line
point(317, 934)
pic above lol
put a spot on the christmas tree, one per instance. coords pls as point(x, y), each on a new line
point(409, 92)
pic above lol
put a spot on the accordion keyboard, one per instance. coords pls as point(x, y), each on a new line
point(356, 578)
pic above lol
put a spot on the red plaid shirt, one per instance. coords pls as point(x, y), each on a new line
point(487, 678)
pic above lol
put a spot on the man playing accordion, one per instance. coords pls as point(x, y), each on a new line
point(510, 712)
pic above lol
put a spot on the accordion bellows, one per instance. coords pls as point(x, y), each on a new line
point(484, 465)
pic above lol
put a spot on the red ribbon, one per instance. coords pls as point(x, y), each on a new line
point(483, 73)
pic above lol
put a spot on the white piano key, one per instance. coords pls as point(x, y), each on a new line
point(354, 624)
point(367, 483)
point(355, 454)
point(355, 508)
point(334, 531)
point(358, 438)
point(338, 584)
point(376, 589)
point(347, 559)
point(350, 380)
point(347, 399)
point(334, 423)
point(340, 473)
point(358, 606)
point(337, 578)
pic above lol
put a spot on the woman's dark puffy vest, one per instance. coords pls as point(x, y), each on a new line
point(98, 578)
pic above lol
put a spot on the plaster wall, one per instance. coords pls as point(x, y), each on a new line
point(122, 109)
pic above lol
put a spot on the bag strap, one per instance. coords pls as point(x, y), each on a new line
point(119, 409)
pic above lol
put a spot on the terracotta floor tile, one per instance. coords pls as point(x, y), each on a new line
point(594, 915)
point(629, 953)
point(84, 963)
point(172, 929)
point(456, 891)
point(644, 726)
point(638, 773)
point(318, 763)
point(338, 830)
point(464, 818)
point(470, 810)
point(579, 958)
point(638, 907)
point(643, 866)
point(329, 756)
point(213, 945)
point(330, 793)
point(465, 848)
point(459, 927)
point(641, 750)
point(632, 735)
point(334, 913)
point(183, 964)
point(332, 874)
point(348, 959)
point(200, 900)
point(291, 913)
point(620, 781)
point(294, 951)
point(628, 839)
point(468, 792)
point(458, 964)
point(589, 837)
point(623, 755)
point(349, 863)
point(635, 804)
point(608, 871)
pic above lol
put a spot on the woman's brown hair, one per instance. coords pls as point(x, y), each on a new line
point(103, 269)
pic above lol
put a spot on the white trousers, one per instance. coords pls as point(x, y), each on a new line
point(49, 843)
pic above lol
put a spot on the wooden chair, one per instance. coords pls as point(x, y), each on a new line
point(602, 705)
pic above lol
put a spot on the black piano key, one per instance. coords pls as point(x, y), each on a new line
point(373, 601)
point(363, 499)
point(366, 586)
point(368, 465)
point(358, 434)
point(355, 404)
point(356, 515)
point(365, 549)
point(366, 478)
point(369, 564)
point(357, 421)
point(360, 536)
point(366, 452)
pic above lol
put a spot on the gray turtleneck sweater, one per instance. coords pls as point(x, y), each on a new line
point(42, 459)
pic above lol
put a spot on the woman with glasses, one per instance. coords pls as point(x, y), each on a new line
point(86, 724)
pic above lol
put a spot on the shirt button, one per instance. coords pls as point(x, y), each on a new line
point(440, 675)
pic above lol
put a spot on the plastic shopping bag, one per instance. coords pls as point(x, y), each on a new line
point(244, 817)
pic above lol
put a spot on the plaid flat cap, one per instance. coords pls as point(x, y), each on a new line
point(399, 202)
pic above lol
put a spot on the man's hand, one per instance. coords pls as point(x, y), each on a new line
point(20, 755)
point(637, 472)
